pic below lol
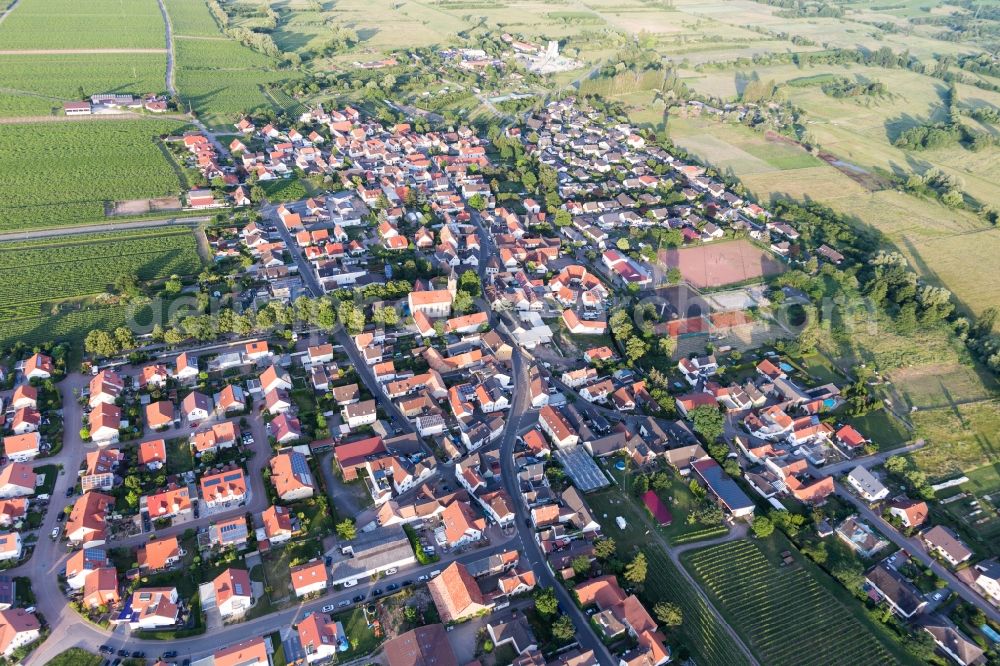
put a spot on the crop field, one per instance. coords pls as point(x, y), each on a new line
point(701, 632)
point(217, 77)
point(60, 174)
point(93, 24)
point(782, 610)
point(45, 278)
point(721, 263)
point(34, 85)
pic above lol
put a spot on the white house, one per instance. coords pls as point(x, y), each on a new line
point(866, 485)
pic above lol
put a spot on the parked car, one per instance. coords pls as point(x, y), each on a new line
point(350, 583)
point(377, 591)
point(329, 608)
point(55, 532)
point(343, 603)
point(358, 599)
point(389, 572)
point(170, 654)
point(391, 586)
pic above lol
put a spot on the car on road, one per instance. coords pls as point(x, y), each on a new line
point(138, 654)
point(406, 583)
point(123, 652)
point(61, 516)
point(329, 608)
point(350, 583)
point(435, 573)
point(391, 586)
point(358, 599)
point(170, 654)
point(55, 532)
point(377, 591)
point(390, 571)
point(424, 578)
point(70, 491)
point(343, 603)
point(328, 560)
point(106, 649)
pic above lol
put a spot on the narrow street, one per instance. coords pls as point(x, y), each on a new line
point(917, 550)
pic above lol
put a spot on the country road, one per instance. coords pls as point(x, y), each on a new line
point(91, 228)
point(169, 27)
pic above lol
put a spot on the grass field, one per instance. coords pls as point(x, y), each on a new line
point(963, 437)
point(942, 385)
point(46, 279)
point(61, 174)
point(94, 24)
point(700, 632)
point(43, 82)
point(780, 610)
point(76, 657)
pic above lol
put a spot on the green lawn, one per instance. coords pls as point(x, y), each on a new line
point(678, 499)
point(883, 429)
point(363, 640)
point(179, 456)
point(75, 657)
point(277, 562)
point(51, 473)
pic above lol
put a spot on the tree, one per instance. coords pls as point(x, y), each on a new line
point(580, 564)
point(668, 613)
point(477, 201)
point(635, 572)
point(563, 218)
point(635, 349)
point(563, 629)
point(125, 338)
point(762, 527)
point(896, 464)
point(346, 529)
point(545, 601)
point(708, 422)
point(666, 346)
point(463, 302)
point(604, 548)
point(100, 343)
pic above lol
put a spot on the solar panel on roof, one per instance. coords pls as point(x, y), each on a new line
point(212, 482)
point(236, 476)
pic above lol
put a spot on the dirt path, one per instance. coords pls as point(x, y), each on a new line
point(96, 116)
point(91, 228)
point(75, 51)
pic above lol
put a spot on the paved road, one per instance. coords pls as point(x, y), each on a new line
point(171, 88)
point(917, 550)
point(530, 549)
point(92, 228)
point(866, 461)
point(343, 338)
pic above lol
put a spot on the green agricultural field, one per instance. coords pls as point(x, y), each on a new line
point(39, 84)
point(221, 80)
point(93, 24)
point(49, 282)
point(61, 174)
point(782, 611)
